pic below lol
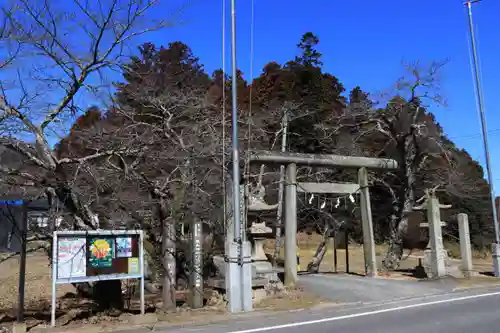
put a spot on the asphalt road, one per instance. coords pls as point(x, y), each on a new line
point(458, 312)
point(349, 288)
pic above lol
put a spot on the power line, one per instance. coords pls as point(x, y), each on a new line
point(496, 263)
point(495, 131)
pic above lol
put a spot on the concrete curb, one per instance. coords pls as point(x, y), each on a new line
point(156, 325)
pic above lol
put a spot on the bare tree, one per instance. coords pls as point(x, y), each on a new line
point(175, 168)
point(57, 57)
point(8, 49)
point(403, 129)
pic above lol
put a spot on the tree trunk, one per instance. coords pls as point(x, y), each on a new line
point(169, 263)
point(108, 295)
point(313, 266)
point(394, 254)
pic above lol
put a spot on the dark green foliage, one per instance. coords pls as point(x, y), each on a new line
point(321, 120)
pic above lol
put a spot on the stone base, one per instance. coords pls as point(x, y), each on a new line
point(219, 283)
point(452, 267)
point(264, 269)
point(495, 253)
point(427, 260)
point(263, 275)
point(469, 274)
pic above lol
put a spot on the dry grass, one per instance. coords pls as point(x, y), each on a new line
point(454, 251)
point(289, 300)
point(38, 287)
point(161, 321)
point(307, 245)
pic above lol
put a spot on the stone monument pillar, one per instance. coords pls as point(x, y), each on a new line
point(465, 247)
point(435, 255)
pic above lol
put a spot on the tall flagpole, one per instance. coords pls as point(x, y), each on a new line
point(480, 104)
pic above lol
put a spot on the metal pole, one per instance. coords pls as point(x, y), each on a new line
point(279, 217)
point(22, 262)
point(291, 225)
point(54, 279)
point(240, 285)
point(480, 102)
point(142, 264)
point(234, 114)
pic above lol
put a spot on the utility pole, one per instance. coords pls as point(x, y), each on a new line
point(480, 102)
point(234, 120)
point(279, 217)
point(238, 274)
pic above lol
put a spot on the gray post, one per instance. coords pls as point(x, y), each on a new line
point(480, 104)
point(291, 225)
point(238, 267)
point(279, 216)
point(54, 278)
point(238, 285)
point(438, 265)
point(197, 262)
point(246, 277)
point(366, 217)
point(142, 268)
point(22, 262)
point(465, 247)
point(233, 269)
point(245, 249)
point(495, 249)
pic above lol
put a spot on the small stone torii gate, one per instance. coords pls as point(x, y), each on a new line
point(291, 160)
point(348, 188)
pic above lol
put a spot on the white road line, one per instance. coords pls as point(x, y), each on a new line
point(363, 314)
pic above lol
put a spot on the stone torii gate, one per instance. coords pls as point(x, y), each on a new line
point(291, 160)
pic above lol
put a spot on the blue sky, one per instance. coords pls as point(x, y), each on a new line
point(363, 43)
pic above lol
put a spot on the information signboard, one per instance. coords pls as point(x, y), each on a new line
point(71, 261)
point(89, 256)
